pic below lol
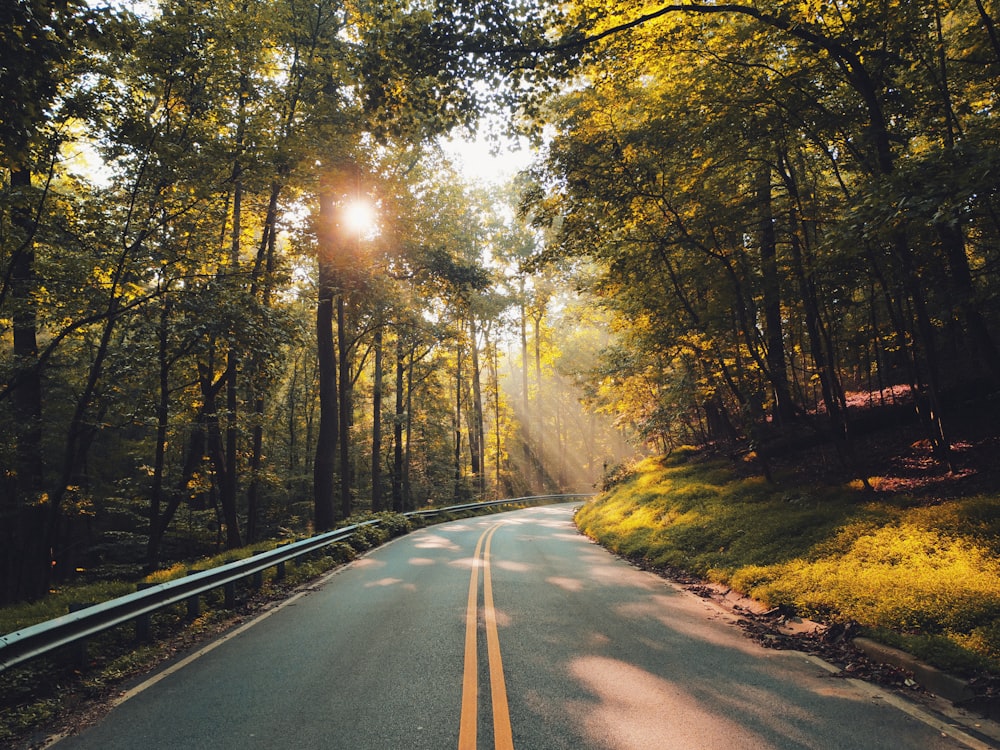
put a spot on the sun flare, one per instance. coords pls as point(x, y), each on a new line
point(359, 218)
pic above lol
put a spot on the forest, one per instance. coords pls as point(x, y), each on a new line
point(758, 225)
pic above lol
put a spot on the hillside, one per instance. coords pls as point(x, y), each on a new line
point(913, 560)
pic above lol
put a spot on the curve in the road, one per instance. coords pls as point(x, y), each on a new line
point(386, 654)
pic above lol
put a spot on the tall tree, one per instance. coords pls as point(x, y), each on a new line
point(840, 104)
point(43, 47)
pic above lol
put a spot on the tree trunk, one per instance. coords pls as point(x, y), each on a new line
point(80, 434)
point(397, 429)
point(26, 395)
point(291, 407)
point(784, 409)
point(227, 472)
point(160, 449)
point(478, 428)
point(958, 262)
point(829, 384)
point(377, 424)
point(827, 376)
point(346, 408)
point(493, 356)
point(539, 432)
point(256, 462)
point(458, 423)
point(217, 453)
point(261, 282)
point(929, 405)
point(991, 30)
point(192, 461)
point(228, 479)
point(324, 466)
point(525, 403)
point(407, 492)
point(26, 558)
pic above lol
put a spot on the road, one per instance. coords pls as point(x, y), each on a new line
point(505, 631)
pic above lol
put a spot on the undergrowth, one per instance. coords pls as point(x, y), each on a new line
point(60, 600)
point(924, 578)
point(37, 692)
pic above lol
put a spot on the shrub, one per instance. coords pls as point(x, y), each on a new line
point(395, 524)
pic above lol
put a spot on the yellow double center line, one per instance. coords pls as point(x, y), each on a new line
point(502, 737)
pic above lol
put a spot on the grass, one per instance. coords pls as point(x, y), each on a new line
point(923, 578)
point(61, 599)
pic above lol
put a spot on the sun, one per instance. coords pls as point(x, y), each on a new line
point(359, 217)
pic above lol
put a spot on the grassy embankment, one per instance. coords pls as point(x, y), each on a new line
point(925, 578)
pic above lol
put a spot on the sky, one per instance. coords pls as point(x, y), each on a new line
point(478, 163)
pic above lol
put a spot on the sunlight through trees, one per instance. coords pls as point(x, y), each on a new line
point(270, 304)
point(741, 217)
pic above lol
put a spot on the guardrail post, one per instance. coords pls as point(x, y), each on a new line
point(193, 601)
point(257, 579)
point(230, 597)
point(280, 570)
point(143, 622)
point(79, 648)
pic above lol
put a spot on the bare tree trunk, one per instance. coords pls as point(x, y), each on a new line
point(217, 450)
point(929, 404)
point(827, 377)
point(560, 428)
point(256, 462)
point(324, 466)
point(965, 292)
point(829, 383)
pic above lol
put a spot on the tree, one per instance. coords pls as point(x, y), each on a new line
point(805, 120)
point(45, 48)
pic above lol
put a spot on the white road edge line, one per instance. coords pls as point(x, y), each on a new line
point(307, 588)
point(910, 709)
point(873, 691)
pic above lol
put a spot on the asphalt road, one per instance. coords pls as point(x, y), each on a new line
point(505, 631)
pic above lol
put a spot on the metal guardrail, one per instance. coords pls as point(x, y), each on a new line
point(489, 503)
point(45, 637)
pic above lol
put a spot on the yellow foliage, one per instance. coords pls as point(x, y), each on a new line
point(177, 570)
point(932, 572)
